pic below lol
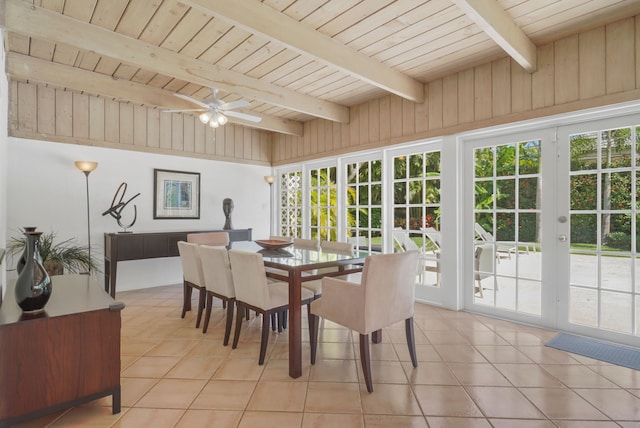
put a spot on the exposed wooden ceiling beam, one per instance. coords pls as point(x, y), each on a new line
point(42, 71)
point(258, 18)
point(30, 20)
point(498, 25)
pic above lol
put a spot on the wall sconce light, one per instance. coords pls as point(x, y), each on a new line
point(87, 167)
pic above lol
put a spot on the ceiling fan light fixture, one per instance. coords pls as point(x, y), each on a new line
point(204, 117)
point(214, 123)
point(222, 119)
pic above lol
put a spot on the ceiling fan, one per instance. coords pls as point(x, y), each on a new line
point(215, 110)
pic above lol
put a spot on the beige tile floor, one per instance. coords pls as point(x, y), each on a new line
point(474, 371)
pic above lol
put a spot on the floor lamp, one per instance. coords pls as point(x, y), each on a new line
point(86, 167)
point(270, 179)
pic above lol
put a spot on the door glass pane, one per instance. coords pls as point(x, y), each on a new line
point(323, 203)
point(604, 227)
point(508, 204)
point(416, 207)
point(364, 220)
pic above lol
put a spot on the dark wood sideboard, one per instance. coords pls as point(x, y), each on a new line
point(138, 246)
point(67, 355)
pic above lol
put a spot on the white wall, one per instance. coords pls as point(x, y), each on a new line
point(46, 190)
point(4, 106)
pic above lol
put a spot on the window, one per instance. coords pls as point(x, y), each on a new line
point(364, 204)
point(323, 204)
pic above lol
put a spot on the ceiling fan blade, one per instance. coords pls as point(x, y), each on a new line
point(244, 116)
point(183, 110)
point(192, 100)
point(234, 105)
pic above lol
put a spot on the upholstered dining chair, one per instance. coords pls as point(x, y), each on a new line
point(328, 247)
point(336, 247)
point(218, 281)
point(385, 296)
point(281, 238)
point(192, 277)
point(309, 244)
point(255, 293)
point(216, 239)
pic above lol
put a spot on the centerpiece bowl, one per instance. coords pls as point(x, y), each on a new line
point(273, 244)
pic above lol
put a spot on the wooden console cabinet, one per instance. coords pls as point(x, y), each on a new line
point(67, 355)
point(138, 246)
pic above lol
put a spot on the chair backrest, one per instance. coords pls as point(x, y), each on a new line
point(336, 247)
point(216, 269)
point(389, 282)
point(218, 239)
point(281, 238)
point(482, 233)
point(310, 244)
point(403, 240)
point(249, 278)
point(191, 265)
point(433, 235)
point(358, 241)
point(483, 260)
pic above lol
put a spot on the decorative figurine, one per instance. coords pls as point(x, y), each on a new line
point(227, 208)
point(116, 208)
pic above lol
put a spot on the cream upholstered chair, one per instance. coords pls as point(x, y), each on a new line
point(217, 239)
point(218, 280)
point(255, 293)
point(192, 277)
point(385, 296)
point(309, 244)
point(329, 247)
point(336, 247)
point(281, 238)
point(483, 258)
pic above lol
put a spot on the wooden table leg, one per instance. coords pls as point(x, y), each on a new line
point(295, 324)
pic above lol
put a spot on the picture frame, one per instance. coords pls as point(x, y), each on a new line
point(176, 194)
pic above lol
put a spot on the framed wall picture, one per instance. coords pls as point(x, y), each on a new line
point(176, 194)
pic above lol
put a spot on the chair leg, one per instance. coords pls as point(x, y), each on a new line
point(186, 304)
point(274, 322)
point(201, 302)
point(366, 361)
point(207, 315)
point(265, 337)
point(280, 321)
point(227, 329)
point(313, 335)
point(411, 341)
point(236, 336)
point(285, 314)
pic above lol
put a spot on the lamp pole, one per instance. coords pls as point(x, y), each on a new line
point(86, 167)
point(270, 179)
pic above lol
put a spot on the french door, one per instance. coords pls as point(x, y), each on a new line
point(599, 229)
point(508, 227)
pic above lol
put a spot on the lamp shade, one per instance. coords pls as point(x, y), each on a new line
point(270, 178)
point(204, 117)
point(86, 166)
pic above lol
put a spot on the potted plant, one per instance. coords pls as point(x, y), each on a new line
point(58, 258)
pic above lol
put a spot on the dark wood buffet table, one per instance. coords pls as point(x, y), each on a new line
point(67, 355)
point(138, 246)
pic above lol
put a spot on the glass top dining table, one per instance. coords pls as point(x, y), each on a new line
point(294, 261)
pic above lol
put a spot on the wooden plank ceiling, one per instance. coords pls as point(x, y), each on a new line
point(293, 60)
